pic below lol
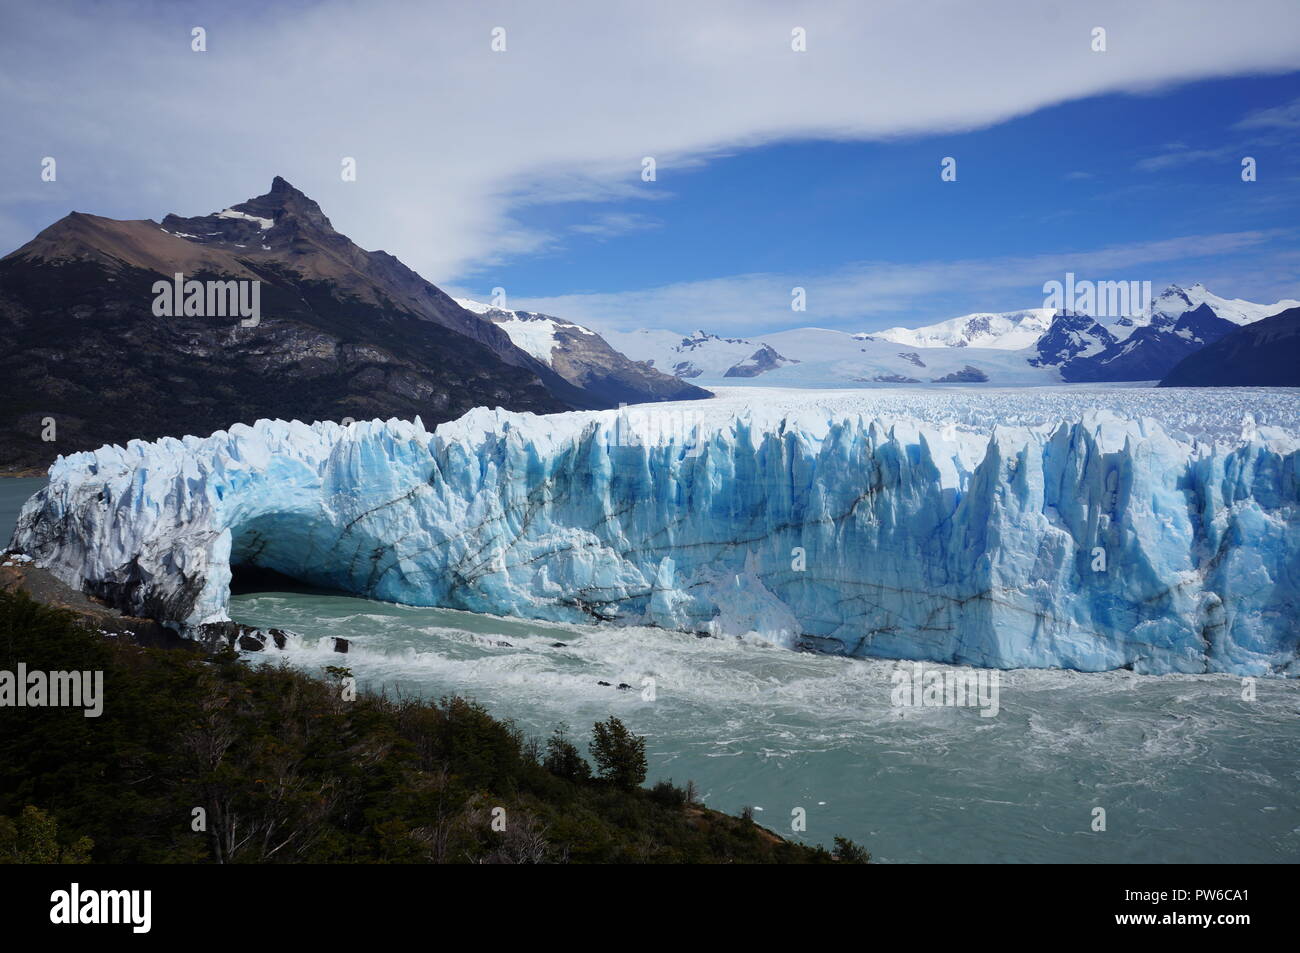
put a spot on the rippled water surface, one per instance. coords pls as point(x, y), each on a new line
point(14, 492)
point(1185, 769)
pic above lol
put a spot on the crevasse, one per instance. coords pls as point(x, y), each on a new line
point(1092, 544)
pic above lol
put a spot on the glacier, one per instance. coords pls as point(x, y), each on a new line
point(1093, 543)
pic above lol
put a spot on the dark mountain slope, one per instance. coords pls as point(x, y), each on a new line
point(1263, 354)
point(1151, 351)
point(1071, 337)
point(1085, 351)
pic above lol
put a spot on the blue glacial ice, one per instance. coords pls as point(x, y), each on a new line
point(1095, 543)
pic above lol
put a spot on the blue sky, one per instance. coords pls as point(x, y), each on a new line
point(521, 168)
point(1113, 170)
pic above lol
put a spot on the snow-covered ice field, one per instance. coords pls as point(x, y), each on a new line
point(1209, 414)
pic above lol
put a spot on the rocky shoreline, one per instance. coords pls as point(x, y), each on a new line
point(19, 573)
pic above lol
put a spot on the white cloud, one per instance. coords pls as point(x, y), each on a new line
point(452, 139)
point(866, 296)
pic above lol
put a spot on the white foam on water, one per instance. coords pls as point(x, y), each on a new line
point(1175, 760)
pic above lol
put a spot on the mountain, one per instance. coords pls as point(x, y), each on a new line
point(1034, 346)
point(763, 360)
point(1265, 353)
point(821, 357)
point(1006, 331)
point(1026, 347)
point(1071, 337)
point(583, 358)
point(829, 358)
point(1151, 350)
point(1147, 346)
point(344, 332)
point(1175, 301)
point(685, 355)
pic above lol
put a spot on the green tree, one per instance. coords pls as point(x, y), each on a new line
point(563, 759)
point(619, 754)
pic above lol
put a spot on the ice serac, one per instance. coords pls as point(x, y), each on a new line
point(1091, 544)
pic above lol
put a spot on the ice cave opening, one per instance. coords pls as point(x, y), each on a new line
point(293, 552)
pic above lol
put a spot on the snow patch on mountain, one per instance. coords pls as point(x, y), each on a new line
point(531, 332)
point(262, 223)
point(1004, 331)
point(690, 356)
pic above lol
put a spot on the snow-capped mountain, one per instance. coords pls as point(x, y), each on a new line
point(1144, 347)
point(1071, 337)
point(583, 358)
point(1153, 350)
point(763, 360)
point(829, 358)
point(1004, 331)
point(1175, 301)
point(822, 357)
point(538, 334)
point(1028, 347)
point(690, 355)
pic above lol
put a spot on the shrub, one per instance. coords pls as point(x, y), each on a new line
point(668, 794)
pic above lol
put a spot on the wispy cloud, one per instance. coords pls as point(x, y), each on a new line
point(1265, 127)
point(1185, 156)
point(611, 224)
point(1277, 117)
point(871, 295)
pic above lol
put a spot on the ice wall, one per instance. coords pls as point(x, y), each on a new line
point(1091, 544)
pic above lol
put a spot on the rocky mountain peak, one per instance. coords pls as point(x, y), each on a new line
point(285, 200)
point(282, 213)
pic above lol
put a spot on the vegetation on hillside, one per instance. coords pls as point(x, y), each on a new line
point(207, 759)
